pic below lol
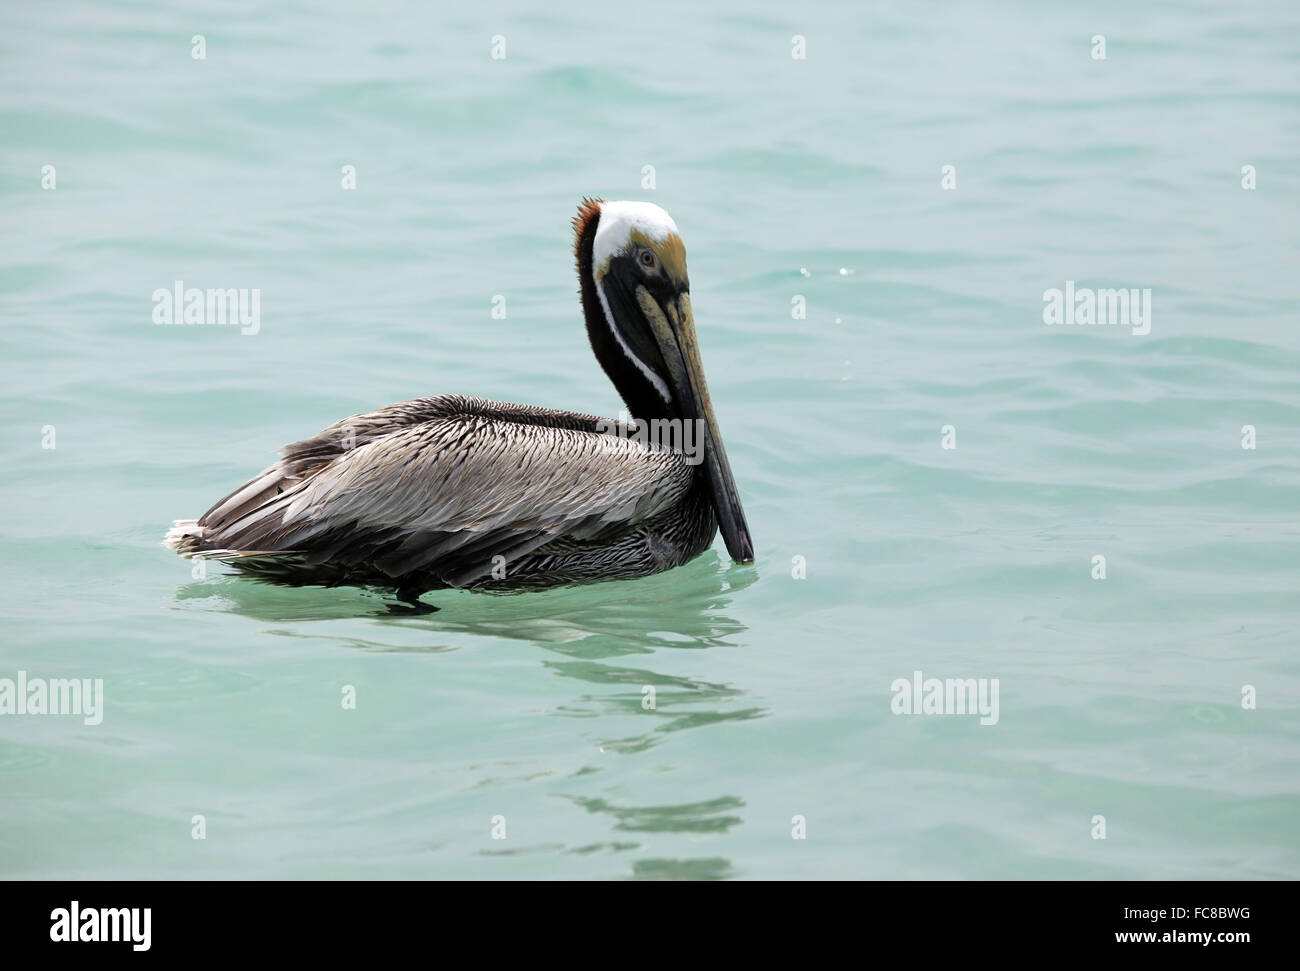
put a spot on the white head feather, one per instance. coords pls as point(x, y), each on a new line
point(618, 220)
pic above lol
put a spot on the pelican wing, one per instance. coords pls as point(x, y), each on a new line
point(303, 459)
point(446, 484)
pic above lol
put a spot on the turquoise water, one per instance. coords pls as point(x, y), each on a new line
point(817, 178)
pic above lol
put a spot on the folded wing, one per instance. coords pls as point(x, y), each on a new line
point(444, 485)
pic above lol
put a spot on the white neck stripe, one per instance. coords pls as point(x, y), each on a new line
point(654, 379)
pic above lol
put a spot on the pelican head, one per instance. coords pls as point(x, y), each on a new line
point(637, 302)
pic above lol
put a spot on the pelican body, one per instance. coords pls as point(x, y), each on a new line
point(453, 491)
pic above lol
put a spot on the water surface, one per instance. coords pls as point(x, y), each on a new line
point(817, 178)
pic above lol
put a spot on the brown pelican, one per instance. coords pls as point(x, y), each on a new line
point(451, 491)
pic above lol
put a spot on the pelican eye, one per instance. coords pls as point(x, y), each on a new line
point(646, 257)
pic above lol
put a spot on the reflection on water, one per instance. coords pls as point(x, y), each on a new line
point(672, 693)
point(695, 817)
point(586, 629)
point(712, 817)
point(713, 868)
point(680, 609)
